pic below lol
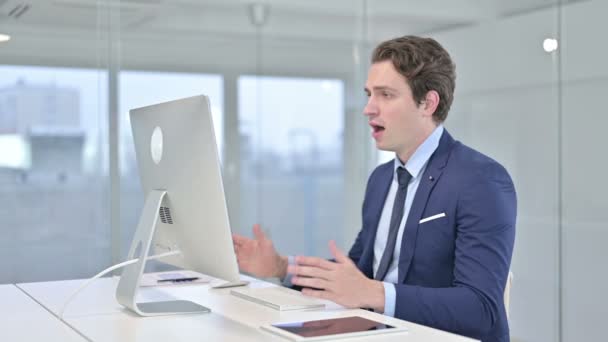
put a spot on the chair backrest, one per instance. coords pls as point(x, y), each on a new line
point(508, 292)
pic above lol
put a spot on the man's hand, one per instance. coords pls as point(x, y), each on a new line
point(258, 256)
point(339, 281)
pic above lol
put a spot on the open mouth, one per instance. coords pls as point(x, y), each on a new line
point(376, 128)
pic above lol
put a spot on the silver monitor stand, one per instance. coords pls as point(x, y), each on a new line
point(128, 285)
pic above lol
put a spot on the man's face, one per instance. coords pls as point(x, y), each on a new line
point(398, 123)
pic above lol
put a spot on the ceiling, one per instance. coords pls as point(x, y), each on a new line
point(296, 36)
point(286, 19)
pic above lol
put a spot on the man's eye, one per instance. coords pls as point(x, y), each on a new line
point(385, 94)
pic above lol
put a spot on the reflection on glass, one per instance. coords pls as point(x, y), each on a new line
point(51, 160)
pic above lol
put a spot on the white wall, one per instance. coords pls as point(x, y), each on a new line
point(508, 106)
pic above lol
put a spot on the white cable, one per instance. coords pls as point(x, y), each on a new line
point(107, 270)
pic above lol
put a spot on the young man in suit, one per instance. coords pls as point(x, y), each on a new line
point(438, 221)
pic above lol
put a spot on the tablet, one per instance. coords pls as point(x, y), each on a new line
point(332, 328)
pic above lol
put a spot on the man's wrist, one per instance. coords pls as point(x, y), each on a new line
point(376, 296)
point(282, 262)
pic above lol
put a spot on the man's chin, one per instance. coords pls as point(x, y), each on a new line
point(383, 147)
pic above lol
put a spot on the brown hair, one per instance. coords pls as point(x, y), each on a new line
point(426, 66)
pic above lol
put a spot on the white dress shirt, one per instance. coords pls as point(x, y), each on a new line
point(415, 166)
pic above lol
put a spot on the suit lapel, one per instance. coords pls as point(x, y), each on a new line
point(430, 177)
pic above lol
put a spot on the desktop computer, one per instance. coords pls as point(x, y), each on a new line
point(185, 208)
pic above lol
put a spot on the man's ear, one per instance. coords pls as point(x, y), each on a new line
point(430, 102)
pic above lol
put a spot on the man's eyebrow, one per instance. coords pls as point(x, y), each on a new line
point(379, 88)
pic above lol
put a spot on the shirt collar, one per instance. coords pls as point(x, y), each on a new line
point(422, 154)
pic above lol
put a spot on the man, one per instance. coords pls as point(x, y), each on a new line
point(438, 221)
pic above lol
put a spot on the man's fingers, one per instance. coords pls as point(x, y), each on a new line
point(258, 233)
point(337, 253)
point(239, 239)
point(318, 294)
point(307, 271)
point(315, 262)
point(316, 283)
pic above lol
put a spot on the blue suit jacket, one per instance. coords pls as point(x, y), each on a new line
point(452, 270)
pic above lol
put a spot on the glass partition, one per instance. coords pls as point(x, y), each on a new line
point(286, 81)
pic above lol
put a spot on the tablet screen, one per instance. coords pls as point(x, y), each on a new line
point(334, 326)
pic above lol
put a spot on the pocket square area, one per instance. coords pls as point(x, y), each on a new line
point(431, 218)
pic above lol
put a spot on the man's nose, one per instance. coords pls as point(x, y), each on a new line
point(370, 108)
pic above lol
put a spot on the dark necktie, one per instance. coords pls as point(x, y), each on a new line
point(403, 178)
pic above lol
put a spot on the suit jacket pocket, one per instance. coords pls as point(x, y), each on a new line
point(431, 218)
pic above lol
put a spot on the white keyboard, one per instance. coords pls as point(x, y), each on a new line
point(278, 298)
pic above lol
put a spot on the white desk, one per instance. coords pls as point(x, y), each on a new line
point(96, 315)
point(22, 319)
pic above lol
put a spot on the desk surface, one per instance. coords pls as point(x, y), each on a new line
point(22, 319)
point(96, 314)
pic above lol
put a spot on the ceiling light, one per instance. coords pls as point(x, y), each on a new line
point(4, 37)
point(550, 44)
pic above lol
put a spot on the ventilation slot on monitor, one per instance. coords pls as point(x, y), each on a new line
point(165, 215)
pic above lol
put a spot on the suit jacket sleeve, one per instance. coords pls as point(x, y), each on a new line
point(485, 232)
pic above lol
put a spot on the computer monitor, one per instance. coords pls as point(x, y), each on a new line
point(185, 208)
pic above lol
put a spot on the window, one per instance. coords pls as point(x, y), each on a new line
point(292, 172)
point(52, 158)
